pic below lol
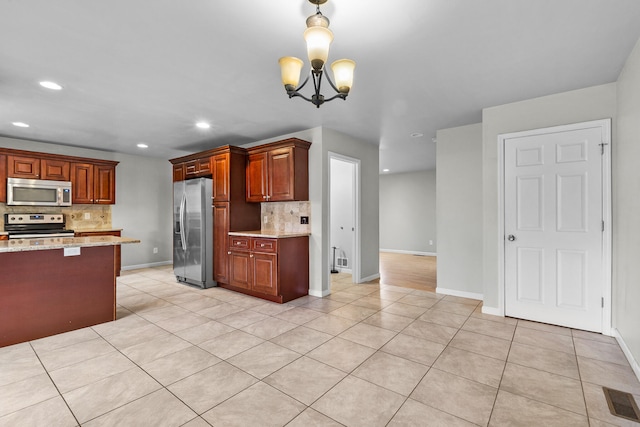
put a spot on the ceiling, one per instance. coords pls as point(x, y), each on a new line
point(146, 70)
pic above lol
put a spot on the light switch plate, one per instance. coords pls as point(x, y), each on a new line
point(87, 215)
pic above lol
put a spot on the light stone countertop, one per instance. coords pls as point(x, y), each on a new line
point(21, 245)
point(94, 230)
point(269, 235)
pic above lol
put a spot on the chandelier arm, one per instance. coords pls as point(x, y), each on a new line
point(332, 85)
point(339, 95)
point(292, 94)
point(303, 83)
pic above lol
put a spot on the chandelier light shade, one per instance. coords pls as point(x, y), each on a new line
point(318, 37)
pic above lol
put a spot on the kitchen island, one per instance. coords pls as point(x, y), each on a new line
point(54, 285)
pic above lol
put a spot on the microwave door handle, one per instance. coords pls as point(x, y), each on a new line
point(183, 208)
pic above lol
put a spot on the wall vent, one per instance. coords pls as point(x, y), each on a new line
point(342, 262)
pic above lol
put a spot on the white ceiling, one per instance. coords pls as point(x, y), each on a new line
point(146, 70)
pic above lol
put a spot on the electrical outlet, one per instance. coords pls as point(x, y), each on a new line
point(266, 219)
point(304, 220)
point(155, 250)
point(431, 242)
point(87, 215)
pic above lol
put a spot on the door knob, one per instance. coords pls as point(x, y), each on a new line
point(511, 237)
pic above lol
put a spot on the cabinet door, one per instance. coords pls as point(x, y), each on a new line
point(104, 189)
point(257, 178)
point(221, 174)
point(57, 170)
point(240, 269)
point(220, 242)
point(23, 167)
point(281, 175)
point(178, 172)
point(265, 273)
point(3, 178)
point(82, 183)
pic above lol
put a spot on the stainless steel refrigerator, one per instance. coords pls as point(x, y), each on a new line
point(193, 232)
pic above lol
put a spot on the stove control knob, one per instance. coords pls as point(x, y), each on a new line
point(19, 218)
point(13, 218)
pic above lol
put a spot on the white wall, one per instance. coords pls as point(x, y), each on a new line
point(459, 210)
point(144, 198)
point(626, 211)
point(408, 212)
point(341, 206)
point(598, 102)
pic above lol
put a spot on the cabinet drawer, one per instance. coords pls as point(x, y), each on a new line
point(239, 243)
point(265, 245)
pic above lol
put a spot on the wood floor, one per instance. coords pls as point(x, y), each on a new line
point(408, 271)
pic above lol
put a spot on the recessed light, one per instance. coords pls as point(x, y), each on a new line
point(20, 124)
point(142, 145)
point(51, 85)
point(416, 135)
point(385, 170)
point(203, 125)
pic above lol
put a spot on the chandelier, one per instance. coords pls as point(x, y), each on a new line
point(318, 37)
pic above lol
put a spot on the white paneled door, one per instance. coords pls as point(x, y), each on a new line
point(553, 223)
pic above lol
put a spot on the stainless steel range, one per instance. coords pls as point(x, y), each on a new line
point(35, 225)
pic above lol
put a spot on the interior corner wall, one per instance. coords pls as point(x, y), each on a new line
point(626, 211)
point(459, 209)
point(144, 199)
point(593, 103)
point(408, 212)
point(323, 141)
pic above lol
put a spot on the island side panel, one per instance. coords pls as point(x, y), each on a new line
point(44, 293)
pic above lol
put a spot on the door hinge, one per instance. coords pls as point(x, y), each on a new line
point(603, 225)
point(602, 144)
point(602, 302)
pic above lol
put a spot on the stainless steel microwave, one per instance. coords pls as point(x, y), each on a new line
point(38, 192)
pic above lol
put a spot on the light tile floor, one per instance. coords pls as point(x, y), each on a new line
point(367, 355)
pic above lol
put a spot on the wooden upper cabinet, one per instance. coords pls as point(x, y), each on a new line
point(56, 170)
point(197, 168)
point(23, 167)
point(178, 172)
point(257, 178)
point(93, 183)
point(92, 180)
point(3, 178)
point(104, 184)
point(220, 172)
point(281, 174)
point(278, 171)
point(82, 183)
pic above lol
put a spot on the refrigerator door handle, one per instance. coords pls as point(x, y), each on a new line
point(183, 208)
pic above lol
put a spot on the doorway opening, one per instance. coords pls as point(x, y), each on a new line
point(344, 239)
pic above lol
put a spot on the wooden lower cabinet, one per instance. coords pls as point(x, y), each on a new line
point(273, 269)
point(118, 257)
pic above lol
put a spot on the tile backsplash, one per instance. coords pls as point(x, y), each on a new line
point(284, 217)
point(99, 215)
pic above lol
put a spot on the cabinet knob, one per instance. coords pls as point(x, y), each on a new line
point(251, 256)
point(229, 253)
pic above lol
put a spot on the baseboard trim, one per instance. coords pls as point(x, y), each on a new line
point(494, 311)
point(149, 265)
point(370, 278)
point(319, 294)
point(627, 352)
point(456, 293)
point(398, 251)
